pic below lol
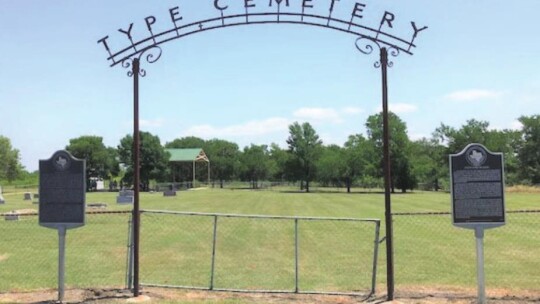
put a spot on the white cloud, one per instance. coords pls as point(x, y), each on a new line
point(400, 108)
point(516, 125)
point(250, 128)
point(144, 123)
point(473, 95)
point(417, 136)
point(318, 114)
point(151, 123)
point(352, 110)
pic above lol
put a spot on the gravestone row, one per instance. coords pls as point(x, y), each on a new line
point(125, 197)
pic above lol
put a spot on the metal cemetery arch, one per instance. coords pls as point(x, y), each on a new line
point(367, 40)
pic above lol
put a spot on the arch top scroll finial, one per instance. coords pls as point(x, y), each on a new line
point(149, 55)
point(366, 45)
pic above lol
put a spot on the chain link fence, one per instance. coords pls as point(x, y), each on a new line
point(273, 254)
point(431, 254)
point(96, 254)
point(258, 253)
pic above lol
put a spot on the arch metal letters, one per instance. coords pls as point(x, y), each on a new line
point(62, 187)
point(477, 187)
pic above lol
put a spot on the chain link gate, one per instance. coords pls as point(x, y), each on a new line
point(252, 253)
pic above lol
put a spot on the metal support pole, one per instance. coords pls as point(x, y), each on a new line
point(61, 261)
point(375, 257)
point(136, 176)
point(193, 185)
point(208, 167)
point(387, 179)
point(296, 274)
point(479, 234)
point(213, 265)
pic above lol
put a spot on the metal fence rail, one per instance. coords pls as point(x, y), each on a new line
point(432, 255)
point(95, 253)
point(251, 253)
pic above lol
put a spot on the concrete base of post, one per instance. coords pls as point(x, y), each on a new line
point(139, 299)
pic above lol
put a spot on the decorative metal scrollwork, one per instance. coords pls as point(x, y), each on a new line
point(394, 52)
point(149, 55)
point(366, 45)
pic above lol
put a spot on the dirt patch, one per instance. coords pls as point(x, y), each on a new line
point(3, 257)
point(162, 295)
point(26, 211)
point(523, 189)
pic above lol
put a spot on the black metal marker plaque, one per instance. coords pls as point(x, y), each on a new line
point(62, 187)
point(477, 187)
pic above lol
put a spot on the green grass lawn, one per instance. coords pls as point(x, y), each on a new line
point(259, 254)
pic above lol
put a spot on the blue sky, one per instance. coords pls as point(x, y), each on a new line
point(478, 59)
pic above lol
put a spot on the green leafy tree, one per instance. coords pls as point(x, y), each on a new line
point(529, 152)
point(10, 166)
point(475, 131)
point(101, 161)
point(223, 157)
point(279, 158)
point(359, 156)
point(401, 172)
point(304, 144)
point(255, 164)
point(332, 166)
point(186, 143)
point(154, 160)
point(428, 164)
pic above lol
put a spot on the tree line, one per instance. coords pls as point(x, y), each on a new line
point(415, 164)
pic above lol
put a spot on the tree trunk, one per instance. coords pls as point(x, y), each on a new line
point(348, 185)
point(307, 186)
point(221, 183)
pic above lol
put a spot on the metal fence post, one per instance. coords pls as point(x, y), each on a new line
point(375, 258)
point(296, 256)
point(213, 254)
point(129, 258)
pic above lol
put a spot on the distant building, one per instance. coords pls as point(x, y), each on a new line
point(186, 156)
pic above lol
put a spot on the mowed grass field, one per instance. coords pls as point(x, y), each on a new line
point(259, 254)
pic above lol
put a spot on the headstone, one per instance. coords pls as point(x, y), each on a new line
point(27, 196)
point(36, 195)
point(11, 216)
point(62, 190)
point(2, 200)
point(97, 205)
point(477, 187)
point(125, 197)
point(169, 193)
point(100, 185)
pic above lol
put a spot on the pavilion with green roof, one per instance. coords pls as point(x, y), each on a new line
point(193, 156)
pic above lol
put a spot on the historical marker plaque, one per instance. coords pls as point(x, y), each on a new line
point(477, 187)
point(62, 187)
